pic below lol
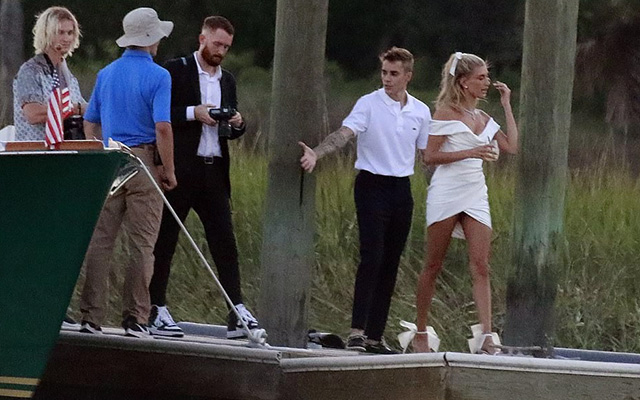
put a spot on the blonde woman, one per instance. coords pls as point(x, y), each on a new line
point(56, 35)
point(461, 138)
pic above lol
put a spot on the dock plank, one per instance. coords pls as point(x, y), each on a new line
point(111, 366)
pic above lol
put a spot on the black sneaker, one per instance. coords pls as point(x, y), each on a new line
point(235, 330)
point(133, 328)
point(90, 327)
point(328, 340)
point(356, 342)
point(379, 347)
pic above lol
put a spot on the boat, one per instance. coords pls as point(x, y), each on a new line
point(49, 204)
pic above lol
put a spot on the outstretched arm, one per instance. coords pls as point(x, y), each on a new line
point(331, 143)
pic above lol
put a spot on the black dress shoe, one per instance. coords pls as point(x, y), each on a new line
point(380, 347)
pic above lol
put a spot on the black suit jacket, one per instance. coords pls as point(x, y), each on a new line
point(185, 92)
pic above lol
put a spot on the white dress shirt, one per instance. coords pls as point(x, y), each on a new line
point(210, 93)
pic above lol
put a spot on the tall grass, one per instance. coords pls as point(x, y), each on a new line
point(597, 306)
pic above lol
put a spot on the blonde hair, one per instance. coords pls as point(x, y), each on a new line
point(451, 93)
point(47, 26)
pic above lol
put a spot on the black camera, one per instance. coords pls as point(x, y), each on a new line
point(73, 128)
point(223, 115)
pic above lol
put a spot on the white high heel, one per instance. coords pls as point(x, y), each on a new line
point(478, 339)
point(405, 338)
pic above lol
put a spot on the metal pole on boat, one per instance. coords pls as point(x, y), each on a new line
point(257, 337)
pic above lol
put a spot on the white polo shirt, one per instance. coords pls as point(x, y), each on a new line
point(388, 134)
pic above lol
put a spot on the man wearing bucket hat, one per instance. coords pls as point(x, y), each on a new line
point(131, 103)
point(142, 27)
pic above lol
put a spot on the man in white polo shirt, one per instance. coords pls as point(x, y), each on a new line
point(390, 125)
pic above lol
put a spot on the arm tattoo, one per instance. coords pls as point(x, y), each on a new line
point(334, 141)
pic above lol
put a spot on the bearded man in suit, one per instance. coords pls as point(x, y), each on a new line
point(199, 84)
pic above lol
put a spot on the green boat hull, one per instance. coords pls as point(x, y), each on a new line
point(49, 205)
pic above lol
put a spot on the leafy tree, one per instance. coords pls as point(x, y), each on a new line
point(101, 24)
point(608, 58)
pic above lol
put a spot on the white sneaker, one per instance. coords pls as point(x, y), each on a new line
point(235, 329)
point(69, 323)
point(90, 327)
point(162, 324)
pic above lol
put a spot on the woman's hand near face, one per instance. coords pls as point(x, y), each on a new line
point(505, 93)
point(508, 142)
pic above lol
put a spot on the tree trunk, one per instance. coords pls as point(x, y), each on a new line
point(298, 112)
point(545, 117)
point(11, 54)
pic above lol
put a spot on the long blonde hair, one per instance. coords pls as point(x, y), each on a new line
point(47, 26)
point(458, 66)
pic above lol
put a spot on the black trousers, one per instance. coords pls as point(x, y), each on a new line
point(384, 208)
point(203, 189)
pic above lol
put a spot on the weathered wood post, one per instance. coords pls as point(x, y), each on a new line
point(298, 112)
point(11, 54)
point(545, 117)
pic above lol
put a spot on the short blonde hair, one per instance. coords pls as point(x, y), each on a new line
point(451, 93)
point(47, 26)
point(398, 54)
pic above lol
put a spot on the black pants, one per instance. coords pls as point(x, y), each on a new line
point(204, 190)
point(384, 207)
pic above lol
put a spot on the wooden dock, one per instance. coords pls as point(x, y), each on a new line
point(111, 366)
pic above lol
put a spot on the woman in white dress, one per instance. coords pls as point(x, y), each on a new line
point(461, 138)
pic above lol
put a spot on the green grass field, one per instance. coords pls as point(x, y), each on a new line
point(597, 305)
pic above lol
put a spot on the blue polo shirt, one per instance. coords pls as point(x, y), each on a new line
point(130, 96)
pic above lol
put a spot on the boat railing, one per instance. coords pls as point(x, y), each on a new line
point(64, 146)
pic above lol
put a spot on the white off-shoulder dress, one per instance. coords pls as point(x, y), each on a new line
point(459, 186)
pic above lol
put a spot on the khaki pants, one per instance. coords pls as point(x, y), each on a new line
point(137, 206)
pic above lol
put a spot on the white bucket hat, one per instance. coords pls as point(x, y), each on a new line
point(142, 27)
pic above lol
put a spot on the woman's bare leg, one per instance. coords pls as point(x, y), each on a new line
point(438, 239)
point(478, 238)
